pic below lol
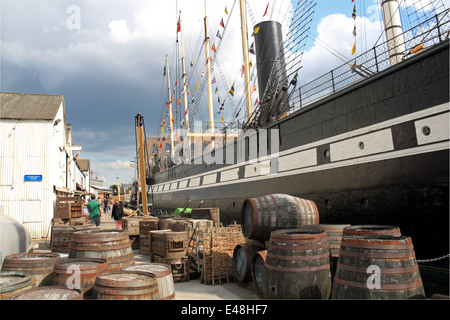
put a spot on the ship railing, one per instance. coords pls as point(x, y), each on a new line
point(434, 30)
point(419, 38)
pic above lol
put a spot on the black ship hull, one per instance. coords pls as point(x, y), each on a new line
point(376, 152)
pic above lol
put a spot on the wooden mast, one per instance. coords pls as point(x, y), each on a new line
point(208, 76)
point(170, 110)
point(140, 130)
point(186, 108)
point(246, 60)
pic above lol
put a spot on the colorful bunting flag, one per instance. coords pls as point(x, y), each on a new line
point(252, 48)
point(226, 10)
point(178, 25)
point(222, 24)
point(354, 12)
point(232, 90)
point(265, 12)
point(255, 31)
point(219, 35)
point(214, 47)
point(354, 49)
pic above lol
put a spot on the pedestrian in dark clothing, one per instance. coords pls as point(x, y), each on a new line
point(105, 204)
point(117, 214)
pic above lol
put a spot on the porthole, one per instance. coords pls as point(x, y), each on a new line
point(328, 204)
point(426, 130)
point(327, 153)
point(361, 145)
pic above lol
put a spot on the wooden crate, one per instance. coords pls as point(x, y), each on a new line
point(147, 225)
point(61, 235)
point(179, 266)
point(207, 213)
point(68, 207)
point(218, 247)
point(169, 244)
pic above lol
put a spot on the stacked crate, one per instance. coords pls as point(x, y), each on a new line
point(170, 247)
point(61, 235)
point(218, 248)
point(145, 226)
point(69, 210)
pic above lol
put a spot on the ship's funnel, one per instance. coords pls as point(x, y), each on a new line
point(270, 59)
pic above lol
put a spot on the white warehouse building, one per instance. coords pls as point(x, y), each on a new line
point(36, 159)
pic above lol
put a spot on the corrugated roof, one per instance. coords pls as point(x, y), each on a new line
point(27, 106)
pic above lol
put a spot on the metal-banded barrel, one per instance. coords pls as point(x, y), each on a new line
point(242, 261)
point(164, 277)
point(12, 282)
point(258, 261)
point(49, 293)
point(297, 265)
point(38, 265)
point(268, 213)
point(126, 285)
point(377, 267)
point(371, 229)
point(112, 244)
point(79, 273)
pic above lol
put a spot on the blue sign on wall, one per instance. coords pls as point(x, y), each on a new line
point(33, 177)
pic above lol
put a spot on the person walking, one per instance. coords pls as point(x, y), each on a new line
point(95, 211)
point(117, 213)
point(105, 204)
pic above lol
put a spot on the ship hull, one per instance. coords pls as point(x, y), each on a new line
point(374, 153)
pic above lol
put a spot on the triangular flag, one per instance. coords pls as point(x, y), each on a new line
point(222, 120)
point(222, 24)
point(354, 49)
point(256, 30)
point(354, 32)
point(197, 86)
point(214, 47)
point(179, 101)
point(254, 88)
point(226, 10)
point(256, 102)
point(232, 90)
point(265, 12)
point(354, 12)
point(252, 48)
point(218, 35)
point(178, 25)
point(216, 91)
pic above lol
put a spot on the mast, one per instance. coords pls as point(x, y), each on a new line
point(393, 29)
point(208, 76)
point(246, 60)
point(186, 108)
point(170, 110)
point(140, 129)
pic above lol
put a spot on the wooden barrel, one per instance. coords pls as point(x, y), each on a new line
point(297, 265)
point(111, 244)
point(164, 277)
point(38, 265)
point(79, 273)
point(360, 230)
point(262, 215)
point(48, 293)
point(258, 261)
point(126, 285)
point(12, 282)
point(334, 234)
point(377, 267)
point(242, 261)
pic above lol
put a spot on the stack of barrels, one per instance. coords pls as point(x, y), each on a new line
point(99, 267)
point(289, 255)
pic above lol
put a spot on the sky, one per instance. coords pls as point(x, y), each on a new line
point(107, 58)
